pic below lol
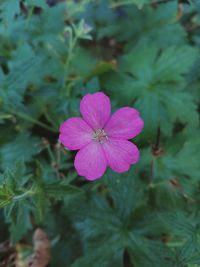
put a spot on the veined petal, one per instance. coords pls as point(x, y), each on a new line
point(75, 133)
point(95, 109)
point(120, 154)
point(90, 161)
point(125, 123)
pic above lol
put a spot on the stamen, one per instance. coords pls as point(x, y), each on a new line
point(100, 136)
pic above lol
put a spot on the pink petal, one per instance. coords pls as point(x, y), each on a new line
point(90, 161)
point(75, 133)
point(125, 123)
point(95, 109)
point(120, 154)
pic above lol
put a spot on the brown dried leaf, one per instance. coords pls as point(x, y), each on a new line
point(5, 246)
point(41, 255)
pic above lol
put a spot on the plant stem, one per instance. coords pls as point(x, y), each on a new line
point(154, 185)
point(72, 45)
point(30, 13)
point(27, 193)
point(28, 118)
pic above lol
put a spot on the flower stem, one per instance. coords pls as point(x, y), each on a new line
point(39, 123)
point(25, 194)
point(72, 45)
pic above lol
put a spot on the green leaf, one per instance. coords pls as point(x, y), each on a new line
point(83, 62)
point(37, 3)
point(146, 253)
point(114, 82)
point(168, 66)
point(9, 8)
point(22, 147)
point(187, 163)
point(138, 3)
point(104, 256)
point(128, 187)
point(26, 68)
point(59, 189)
point(19, 218)
point(15, 196)
point(157, 86)
point(100, 69)
point(174, 62)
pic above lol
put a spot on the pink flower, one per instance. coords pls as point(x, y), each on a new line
point(102, 138)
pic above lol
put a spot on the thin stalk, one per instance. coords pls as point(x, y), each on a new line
point(51, 155)
point(157, 144)
point(30, 119)
point(155, 149)
point(25, 194)
point(175, 244)
point(154, 185)
point(30, 13)
point(72, 45)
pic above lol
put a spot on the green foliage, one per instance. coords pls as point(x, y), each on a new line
point(141, 53)
point(12, 151)
point(23, 194)
point(155, 85)
point(138, 3)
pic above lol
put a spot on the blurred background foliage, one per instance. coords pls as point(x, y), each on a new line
point(142, 53)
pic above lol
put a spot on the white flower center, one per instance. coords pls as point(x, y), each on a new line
point(100, 136)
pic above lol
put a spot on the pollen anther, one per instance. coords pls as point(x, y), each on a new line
point(100, 136)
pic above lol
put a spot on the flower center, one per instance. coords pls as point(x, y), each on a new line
point(100, 136)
